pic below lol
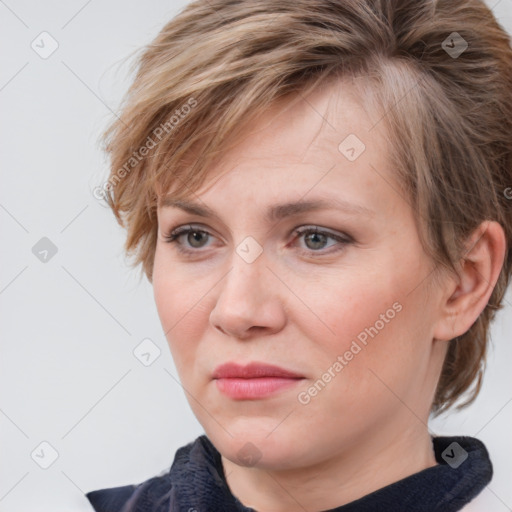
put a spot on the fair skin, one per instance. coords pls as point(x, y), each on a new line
point(303, 301)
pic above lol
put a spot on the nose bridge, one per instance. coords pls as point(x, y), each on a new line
point(245, 297)
point(242, 283)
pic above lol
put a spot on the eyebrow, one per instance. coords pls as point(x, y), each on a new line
point(274, 212)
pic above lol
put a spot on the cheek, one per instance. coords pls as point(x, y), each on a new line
point(179, 310)
point(358, 309)
point(370, 324)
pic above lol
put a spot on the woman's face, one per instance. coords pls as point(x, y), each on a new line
point(348, 310)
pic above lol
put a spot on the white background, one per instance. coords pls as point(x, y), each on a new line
point(70, 325)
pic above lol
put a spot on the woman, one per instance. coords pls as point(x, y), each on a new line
point(317, 191)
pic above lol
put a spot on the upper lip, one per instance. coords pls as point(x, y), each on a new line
point(251, 371)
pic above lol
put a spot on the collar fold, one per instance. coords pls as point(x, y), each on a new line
point(196, 482)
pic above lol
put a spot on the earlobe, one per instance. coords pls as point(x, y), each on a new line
point(480, 268)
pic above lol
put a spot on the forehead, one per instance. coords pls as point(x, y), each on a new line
point(305, 129)
point(303, 147)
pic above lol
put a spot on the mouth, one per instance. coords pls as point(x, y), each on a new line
point(253, 381)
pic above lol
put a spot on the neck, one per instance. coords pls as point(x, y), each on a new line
point(347, 476)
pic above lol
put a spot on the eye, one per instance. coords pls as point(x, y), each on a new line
point(315, 239)
point(195, 237)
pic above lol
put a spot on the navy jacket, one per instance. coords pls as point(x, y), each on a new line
point(196, 483)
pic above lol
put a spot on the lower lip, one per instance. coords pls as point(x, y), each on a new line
point(243, 389)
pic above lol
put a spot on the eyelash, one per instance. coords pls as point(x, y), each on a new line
point(175, 234)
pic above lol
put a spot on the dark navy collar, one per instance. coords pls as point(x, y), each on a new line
point(196, 482)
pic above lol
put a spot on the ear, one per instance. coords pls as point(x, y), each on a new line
point(468, 294)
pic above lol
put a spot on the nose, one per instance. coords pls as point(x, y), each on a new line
point(249, 303)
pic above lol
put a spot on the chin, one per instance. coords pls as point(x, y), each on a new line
point(254, 447)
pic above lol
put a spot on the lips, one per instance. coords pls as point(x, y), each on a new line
point(252, 371)
point(254, 381)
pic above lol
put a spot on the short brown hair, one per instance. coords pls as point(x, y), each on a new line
point(219, 63)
